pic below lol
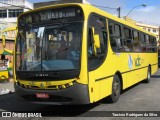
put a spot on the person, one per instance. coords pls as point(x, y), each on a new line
point(61, 51)
point(7, 63)
point(136, 47)
point(126, 48)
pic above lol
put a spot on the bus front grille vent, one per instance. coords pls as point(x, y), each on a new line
point(53, 87)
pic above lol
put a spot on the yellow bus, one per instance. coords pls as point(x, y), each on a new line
point(79, 54)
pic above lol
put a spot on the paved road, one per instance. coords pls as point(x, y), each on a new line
point(141, 97)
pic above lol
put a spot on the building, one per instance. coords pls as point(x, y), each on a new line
point(9, 10)
point(150, 28)
point(42, 4)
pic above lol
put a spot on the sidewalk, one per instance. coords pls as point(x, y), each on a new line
point(6, 87)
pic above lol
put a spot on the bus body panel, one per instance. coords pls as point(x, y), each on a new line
point(76, 94)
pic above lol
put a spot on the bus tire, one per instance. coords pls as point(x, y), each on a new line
point(116, 90)
point(147, 80)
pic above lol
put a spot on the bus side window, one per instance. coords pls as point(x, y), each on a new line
point(153, 43)
point(128, 43)
point(148, 45)
point(143, 42)
point(136, 41)
point(115, 37)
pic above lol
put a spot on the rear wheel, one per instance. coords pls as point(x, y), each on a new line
point(116, 90)
point(147, 80)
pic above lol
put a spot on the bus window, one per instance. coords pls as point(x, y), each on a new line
point(136, 41)
point(99, 25)
point(153, 44)
point(128, 43)
point(143, 43)
point(115, 37)
point(148, 43)
point(63, 46)
point(147, 39)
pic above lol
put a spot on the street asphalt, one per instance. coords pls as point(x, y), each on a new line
point(140, 98)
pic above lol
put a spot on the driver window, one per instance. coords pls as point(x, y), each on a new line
point(99, 24)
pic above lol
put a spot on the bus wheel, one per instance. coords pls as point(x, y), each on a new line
point(147, 80)
point(116, 90)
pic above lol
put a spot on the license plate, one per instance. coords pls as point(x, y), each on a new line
point(42, 95)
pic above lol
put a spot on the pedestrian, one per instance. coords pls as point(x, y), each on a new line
point(7, 63)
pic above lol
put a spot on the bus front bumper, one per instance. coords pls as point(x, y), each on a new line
point(76, 94)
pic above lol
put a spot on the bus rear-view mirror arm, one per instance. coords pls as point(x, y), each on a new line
point(96, 42)
point(4, 40)
point(4, 45)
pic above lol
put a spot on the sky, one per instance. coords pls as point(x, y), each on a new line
point(148, 14)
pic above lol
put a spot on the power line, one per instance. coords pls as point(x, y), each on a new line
point(104, 7)
point(16, 6)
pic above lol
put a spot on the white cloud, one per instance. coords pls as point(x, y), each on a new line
point(147, 15)
point(147, 9)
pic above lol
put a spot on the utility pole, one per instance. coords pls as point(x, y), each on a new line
point(119, 12)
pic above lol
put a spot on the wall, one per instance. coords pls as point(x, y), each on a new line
point(9, 35)
point(151, 29)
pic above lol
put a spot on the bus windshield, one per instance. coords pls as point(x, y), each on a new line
point(48, 48)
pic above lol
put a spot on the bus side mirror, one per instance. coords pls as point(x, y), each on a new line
point(96, 42)
point(4, 41)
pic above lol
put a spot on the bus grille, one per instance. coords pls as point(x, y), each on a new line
point(51, 87)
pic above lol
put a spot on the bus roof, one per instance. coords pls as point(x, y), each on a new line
point(92, 9)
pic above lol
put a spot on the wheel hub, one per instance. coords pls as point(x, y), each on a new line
point(116, 88)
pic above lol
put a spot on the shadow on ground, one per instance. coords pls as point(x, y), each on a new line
point(9, 102)
point(156, 76)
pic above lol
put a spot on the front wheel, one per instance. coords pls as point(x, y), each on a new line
point(116, 90)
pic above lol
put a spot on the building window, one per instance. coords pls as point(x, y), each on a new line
point(15, 12)
point(3, 13)
point(5, 1)
point(154, 30)
point(149, 29)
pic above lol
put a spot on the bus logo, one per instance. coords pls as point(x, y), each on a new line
point(42, 85)
point(130, 62)
point(138, 61)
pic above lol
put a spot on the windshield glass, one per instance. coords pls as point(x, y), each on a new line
point(48, 48)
